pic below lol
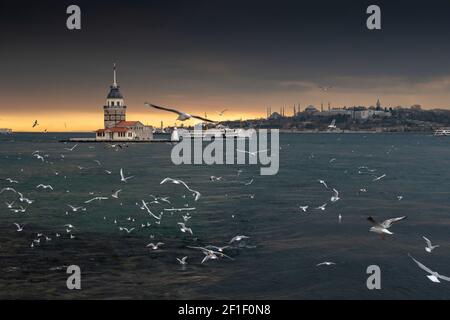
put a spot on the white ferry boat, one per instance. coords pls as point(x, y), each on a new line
point(442, 132)
point(217, 132)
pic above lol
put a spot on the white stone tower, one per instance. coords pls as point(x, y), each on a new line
point(114, 110)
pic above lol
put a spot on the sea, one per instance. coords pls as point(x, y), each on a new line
point(279, 258)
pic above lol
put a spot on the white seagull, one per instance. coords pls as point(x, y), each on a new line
point(123, 178)
point(183, 228)
point(182, 116)
point(11, 180)
point(382, 228)
point(238, 238)
point(96, 198)
point(182, 261)
point(155, 246)
point(326, 263)
point(324, 183)
point(19, 228)
point(115, 195)
point(379, 178)
point(433, 275)
point(44, 186)
point(335, 196)
point(429, 246)
point(75, 209)
point(304, 208)
point(322, 207)
point(252, 153)
point(195, 193)
point(71, 149)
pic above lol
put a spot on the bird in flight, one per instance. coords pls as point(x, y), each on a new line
point(71, 149)
point(115, 194)
point(155, 246)
point(304, 208)
point(182, 261)
point(252, 153)
point(238, 238)
point(433, 275)
point(35, 123)
point(19, 228)
point(123, 178)
point(326, 263)
point(335, 196)
point(96, 198)
point(222, 112)
point(126, 229)
point(175, 181)
point(379, 178)
point(323, 183)
point(429, 248)
point(183, 228)
point(182, 116)
point(383, 227)
point(44, 186)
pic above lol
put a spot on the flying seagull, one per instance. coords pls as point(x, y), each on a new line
point(155, 246)
point(19, 228)
point(43, 186)
point(324, 183)
point(304, 208)
point(175, 181)
point(182, 116)
point(73, 148)
point(35, 123)
point(183, 228)
point(429, 246)
point(182, 261)
point(335, 196)
point(326, 263)
point(222, 112)
point(382, 228)
point(115, 195)
point(238, 238)
point(123, 178)
point(433, 275)
point(379, 178)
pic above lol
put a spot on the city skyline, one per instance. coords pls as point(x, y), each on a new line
point(202, 58)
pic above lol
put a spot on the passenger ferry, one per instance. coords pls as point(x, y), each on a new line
point(442, 132)
point(217, 132)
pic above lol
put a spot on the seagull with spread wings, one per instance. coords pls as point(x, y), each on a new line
point(182, 116)
point(383, 227)
point(433, 275)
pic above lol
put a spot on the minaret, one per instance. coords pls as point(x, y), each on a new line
point(115, 109)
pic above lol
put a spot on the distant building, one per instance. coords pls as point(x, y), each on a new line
point(311, 109)
point(116, 127)
point(378, 105)
point(275, 116)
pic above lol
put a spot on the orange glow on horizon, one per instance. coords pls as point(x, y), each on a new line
point(91, 121)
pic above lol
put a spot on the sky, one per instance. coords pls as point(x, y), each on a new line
point(206, 56)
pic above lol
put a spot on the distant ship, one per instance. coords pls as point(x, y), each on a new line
point(217, 132)
point(442, 132)
point(5, 131)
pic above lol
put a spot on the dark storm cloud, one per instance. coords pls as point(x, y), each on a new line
point(219, 47)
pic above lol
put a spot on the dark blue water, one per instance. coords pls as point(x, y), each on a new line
point(277, 262)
